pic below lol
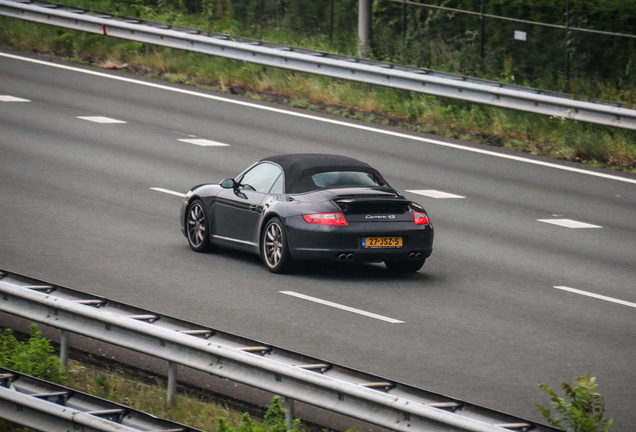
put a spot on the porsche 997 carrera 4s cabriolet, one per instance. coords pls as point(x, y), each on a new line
point(309, 207)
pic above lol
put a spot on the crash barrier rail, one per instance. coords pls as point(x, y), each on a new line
point(321, 63)
point(44, 406)
point(294, 376)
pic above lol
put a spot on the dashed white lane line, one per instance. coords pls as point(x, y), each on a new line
point(98, 119)
point(596, 296)
point(7, 98)
point(569, 223)
point(168, 191)
point(203, 142)
point(435, 193)
point(327, 120)
point(339, 306)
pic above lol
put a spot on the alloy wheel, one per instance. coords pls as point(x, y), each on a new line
point(196, 225)
point(273, 244)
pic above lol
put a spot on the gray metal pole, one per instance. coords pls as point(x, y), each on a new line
point(364, 26)
point(289, 412)
point(64, 337)
point(172, 383)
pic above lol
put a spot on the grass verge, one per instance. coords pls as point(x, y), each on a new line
point(558, 138)
point(192, 408)
point(119, 385)
point(144, 392)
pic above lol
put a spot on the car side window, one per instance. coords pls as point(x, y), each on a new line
point(278, 185)
point(261, 178)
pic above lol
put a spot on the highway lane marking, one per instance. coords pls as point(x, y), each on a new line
point(203, 142)
point(339, 306)
point(168, 191)
point(7, 98)
point(569, 223)
point(596, 296)
point(435, 193)
point(99, 119)
point(327, 120)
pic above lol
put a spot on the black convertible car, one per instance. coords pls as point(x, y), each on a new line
point(309, 207)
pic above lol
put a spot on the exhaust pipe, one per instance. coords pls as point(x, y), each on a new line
point(342, 257)
point(418, 256)
point(350, 257)
point(412, 256)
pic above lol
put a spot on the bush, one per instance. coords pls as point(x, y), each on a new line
point(274, 421)
point(33, 357)
point(64, 42)
point(585, 410)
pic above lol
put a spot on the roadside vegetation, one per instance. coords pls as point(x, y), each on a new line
point(582, 409)
point(36, 357)
point(302, 23)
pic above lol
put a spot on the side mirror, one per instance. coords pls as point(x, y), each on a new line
point(229, 184)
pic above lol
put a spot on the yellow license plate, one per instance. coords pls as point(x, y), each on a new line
point(381, 242)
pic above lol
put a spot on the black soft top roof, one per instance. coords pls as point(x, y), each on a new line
point(299, 168)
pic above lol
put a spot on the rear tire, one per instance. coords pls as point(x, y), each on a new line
point(274, 247)
point(400, 266)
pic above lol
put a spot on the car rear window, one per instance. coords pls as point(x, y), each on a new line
point(332, 179)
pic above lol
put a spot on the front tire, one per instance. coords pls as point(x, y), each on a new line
point(198, 227)
point(399, 266)
point(274, 247)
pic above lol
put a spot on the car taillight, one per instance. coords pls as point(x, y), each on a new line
point(421, 218)
point(326, 219)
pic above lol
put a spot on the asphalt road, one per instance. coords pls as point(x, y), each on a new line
point(482, 321)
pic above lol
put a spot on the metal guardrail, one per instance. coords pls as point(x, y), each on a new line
point(321, 63)
point(295, 376)
point(48, 407)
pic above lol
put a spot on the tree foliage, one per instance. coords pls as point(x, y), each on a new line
point(550, 57)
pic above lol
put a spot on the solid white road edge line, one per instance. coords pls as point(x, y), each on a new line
point(326, 120)
point(596, 296)
point(168, 191)
point(339, 306)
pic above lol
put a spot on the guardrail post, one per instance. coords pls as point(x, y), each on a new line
point(64, 337)
point(172, 383)
point(289, 412)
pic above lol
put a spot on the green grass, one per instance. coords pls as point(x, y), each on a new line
point(34, 356)
point(558, 138)
point(120, 386)
point(194, 409)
